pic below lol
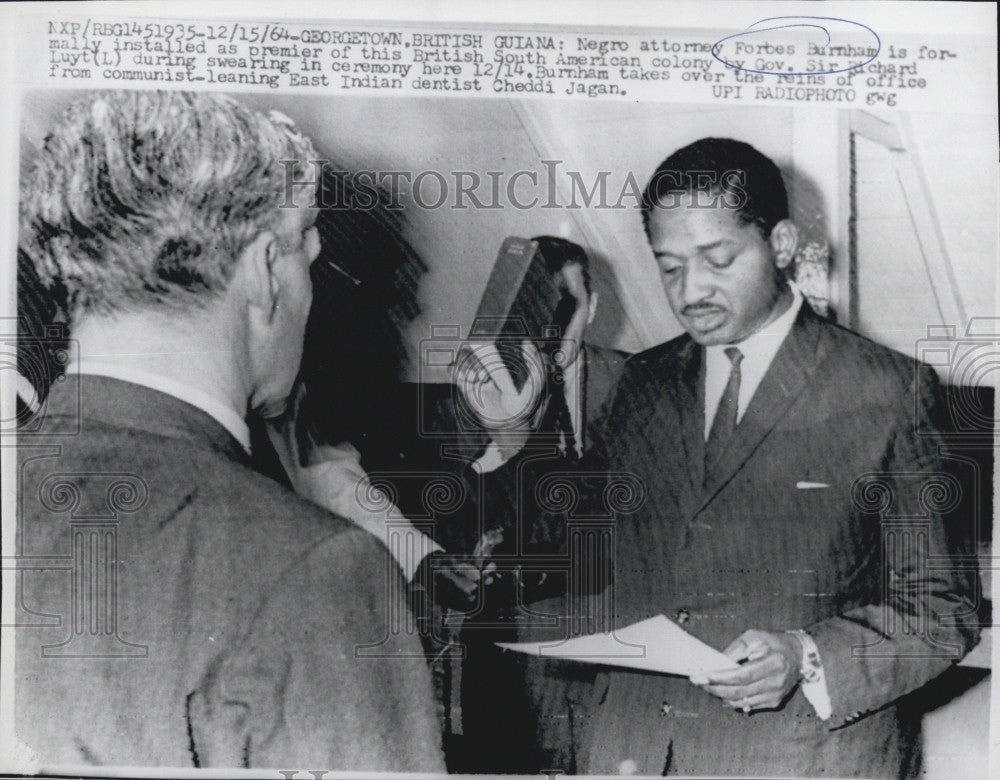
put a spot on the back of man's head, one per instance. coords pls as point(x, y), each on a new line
point(721, 170)
point(146, 199)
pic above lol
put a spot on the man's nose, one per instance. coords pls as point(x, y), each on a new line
point(696, 286)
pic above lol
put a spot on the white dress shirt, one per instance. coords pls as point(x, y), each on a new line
point(572, 388)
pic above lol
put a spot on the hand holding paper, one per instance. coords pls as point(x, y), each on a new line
point(769, 673)
point(655, 645)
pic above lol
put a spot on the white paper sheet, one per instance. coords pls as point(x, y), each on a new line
point(656, 644)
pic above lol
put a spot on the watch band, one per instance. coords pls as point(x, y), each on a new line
point(812, 667)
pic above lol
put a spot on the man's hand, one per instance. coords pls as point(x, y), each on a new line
point(769, 671)
point(451, 581)
point(327, 475)
point(489, 391)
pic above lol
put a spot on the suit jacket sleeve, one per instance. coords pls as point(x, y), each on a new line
point(298, 690)
point(924, 618)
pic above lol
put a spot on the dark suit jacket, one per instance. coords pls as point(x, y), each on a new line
point(857, 557)
point(446, 439)
point(180, 610)
point(514, 712)
point(508, 496)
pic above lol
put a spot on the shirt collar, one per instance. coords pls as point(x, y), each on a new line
point(225, 415)
point(762, 346)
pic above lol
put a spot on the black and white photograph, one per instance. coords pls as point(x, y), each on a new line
point(499, 392)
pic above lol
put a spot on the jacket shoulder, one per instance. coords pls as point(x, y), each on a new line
point(870, 362)
point(605, 366)
point(668, 356)
point(242, 494)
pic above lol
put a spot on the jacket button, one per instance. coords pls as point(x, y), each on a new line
point(683, 616)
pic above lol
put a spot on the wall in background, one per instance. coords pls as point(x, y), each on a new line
point(459, 245)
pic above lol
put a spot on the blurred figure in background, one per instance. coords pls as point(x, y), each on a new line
point(515, 708)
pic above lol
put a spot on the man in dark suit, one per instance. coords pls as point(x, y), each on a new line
point(575, 378)
point(178, 609)
point(793, 514)
point(514, 710)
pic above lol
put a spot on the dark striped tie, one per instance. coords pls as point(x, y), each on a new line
point(725, 416)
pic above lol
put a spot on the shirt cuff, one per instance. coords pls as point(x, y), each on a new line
point(408, 547)
point(813, 682)
point(490, 460)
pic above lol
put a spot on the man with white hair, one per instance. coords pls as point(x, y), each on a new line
point(212, 618)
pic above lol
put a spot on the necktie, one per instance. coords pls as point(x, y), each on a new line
point(725, 416)
point(557, 419)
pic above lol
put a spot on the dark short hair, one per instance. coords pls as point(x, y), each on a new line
point(557, 253)
point(749, 180)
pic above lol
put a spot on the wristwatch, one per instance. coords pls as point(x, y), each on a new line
point(812, 667)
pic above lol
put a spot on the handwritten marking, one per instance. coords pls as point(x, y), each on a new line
point(779, 67)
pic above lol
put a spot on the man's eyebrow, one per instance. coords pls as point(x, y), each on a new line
point(716, 244)
point(700, 247)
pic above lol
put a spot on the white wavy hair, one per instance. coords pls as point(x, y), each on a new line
point(142, 199)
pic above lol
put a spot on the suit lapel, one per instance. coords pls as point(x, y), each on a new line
point(689, 392)
point(784, 381)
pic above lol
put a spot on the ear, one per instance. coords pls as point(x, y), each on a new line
point(784, 241)
point(256, 269)
point(592, 305)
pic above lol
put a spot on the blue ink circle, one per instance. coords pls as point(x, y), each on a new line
point(748, 31)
